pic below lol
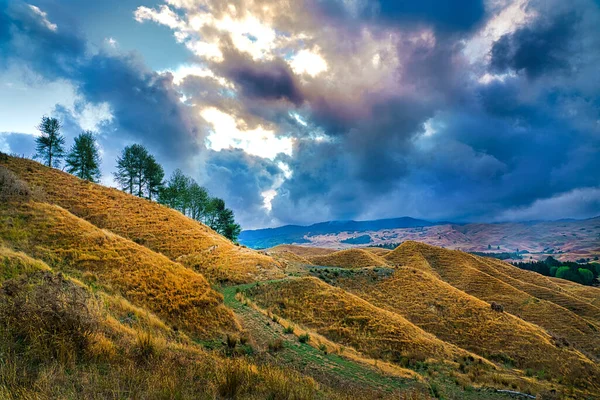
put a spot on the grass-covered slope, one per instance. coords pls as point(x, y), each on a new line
point(469, 323)
point(61, 340)
point(70, 244)
point(558, 312)
point(351, 258)
point(350, 320)
point(145, 222)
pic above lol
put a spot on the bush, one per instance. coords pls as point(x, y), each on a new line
point(497, 307)
point(288, 329)
point(304, 338)
point(47, 317)
point(276, 345)
point(231, 341)
point(11, 187)
point(145, 347)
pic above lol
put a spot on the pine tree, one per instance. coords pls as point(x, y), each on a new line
point(153, 175)
point(84, 160)
point(50, 145)
point(126, 174)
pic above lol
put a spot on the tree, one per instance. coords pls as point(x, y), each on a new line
point(587, 276)
point(153, 175)
point(126, 174)
point(176, 192)
point(198, 197)
point(221, 219)
point(83, 159)
point(138, 170)
point(50, 145)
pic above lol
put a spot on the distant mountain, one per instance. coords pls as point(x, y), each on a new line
point(566, 239)
point(295, 234)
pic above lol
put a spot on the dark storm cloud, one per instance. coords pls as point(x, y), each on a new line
point(402, 122)
point(268, 80)
point(240, 178)
point(541, 48)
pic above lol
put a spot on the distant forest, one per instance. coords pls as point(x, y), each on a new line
point(586, 274)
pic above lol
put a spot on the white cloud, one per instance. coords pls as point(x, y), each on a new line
point(308, 62)
point(44, 17)
point(165, 16)
point(184, 70)
point(259, 142)
point(111, 42)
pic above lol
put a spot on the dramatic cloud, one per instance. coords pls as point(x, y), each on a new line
point(301, 111)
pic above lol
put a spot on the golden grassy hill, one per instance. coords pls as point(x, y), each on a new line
point(289, 257)
point(150, 224)
point(179, 295)
point(473, 275)
point(350, 320)
point(62, 340)
point(469, 323)
point(377, 250)
point(351, 258)
point(302, 251)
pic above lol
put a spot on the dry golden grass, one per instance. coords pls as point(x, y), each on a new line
point(150, 224)
point(351, 258)
point(289, 257)
point(351, 321)
point(302, 251)
point(469, 323)
point(82, 350)
point(15, 263)
point(478, 277)
point(180, 296)
point(377, 250)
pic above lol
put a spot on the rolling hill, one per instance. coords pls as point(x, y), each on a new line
point(106, 295)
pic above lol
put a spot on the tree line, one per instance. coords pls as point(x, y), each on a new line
point(586, 274)
point(138, 173)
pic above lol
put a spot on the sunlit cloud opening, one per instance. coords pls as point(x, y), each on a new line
point(308, 62)
point(259, 142)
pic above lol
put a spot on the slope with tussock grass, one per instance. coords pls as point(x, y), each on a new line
point(150, 224)
point(469, 323)
point(16, 263)
point(61, 340)
point(380, 251)
point(351, 258)
point(302, 251)
point(474, 276)
point(349, 320)
point(179, 295)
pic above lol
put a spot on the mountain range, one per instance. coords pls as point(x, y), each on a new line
point(564, 239)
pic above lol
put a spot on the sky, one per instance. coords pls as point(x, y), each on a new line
point(300, 111)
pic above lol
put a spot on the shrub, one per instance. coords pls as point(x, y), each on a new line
point(234, 380)
point(304, 338)
point(11, 187)
point(497, 307)
point(48, 316)
point(288, 329)
point(145, 347)
point(231, 341)
point(276, 345)
point(244, 339)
